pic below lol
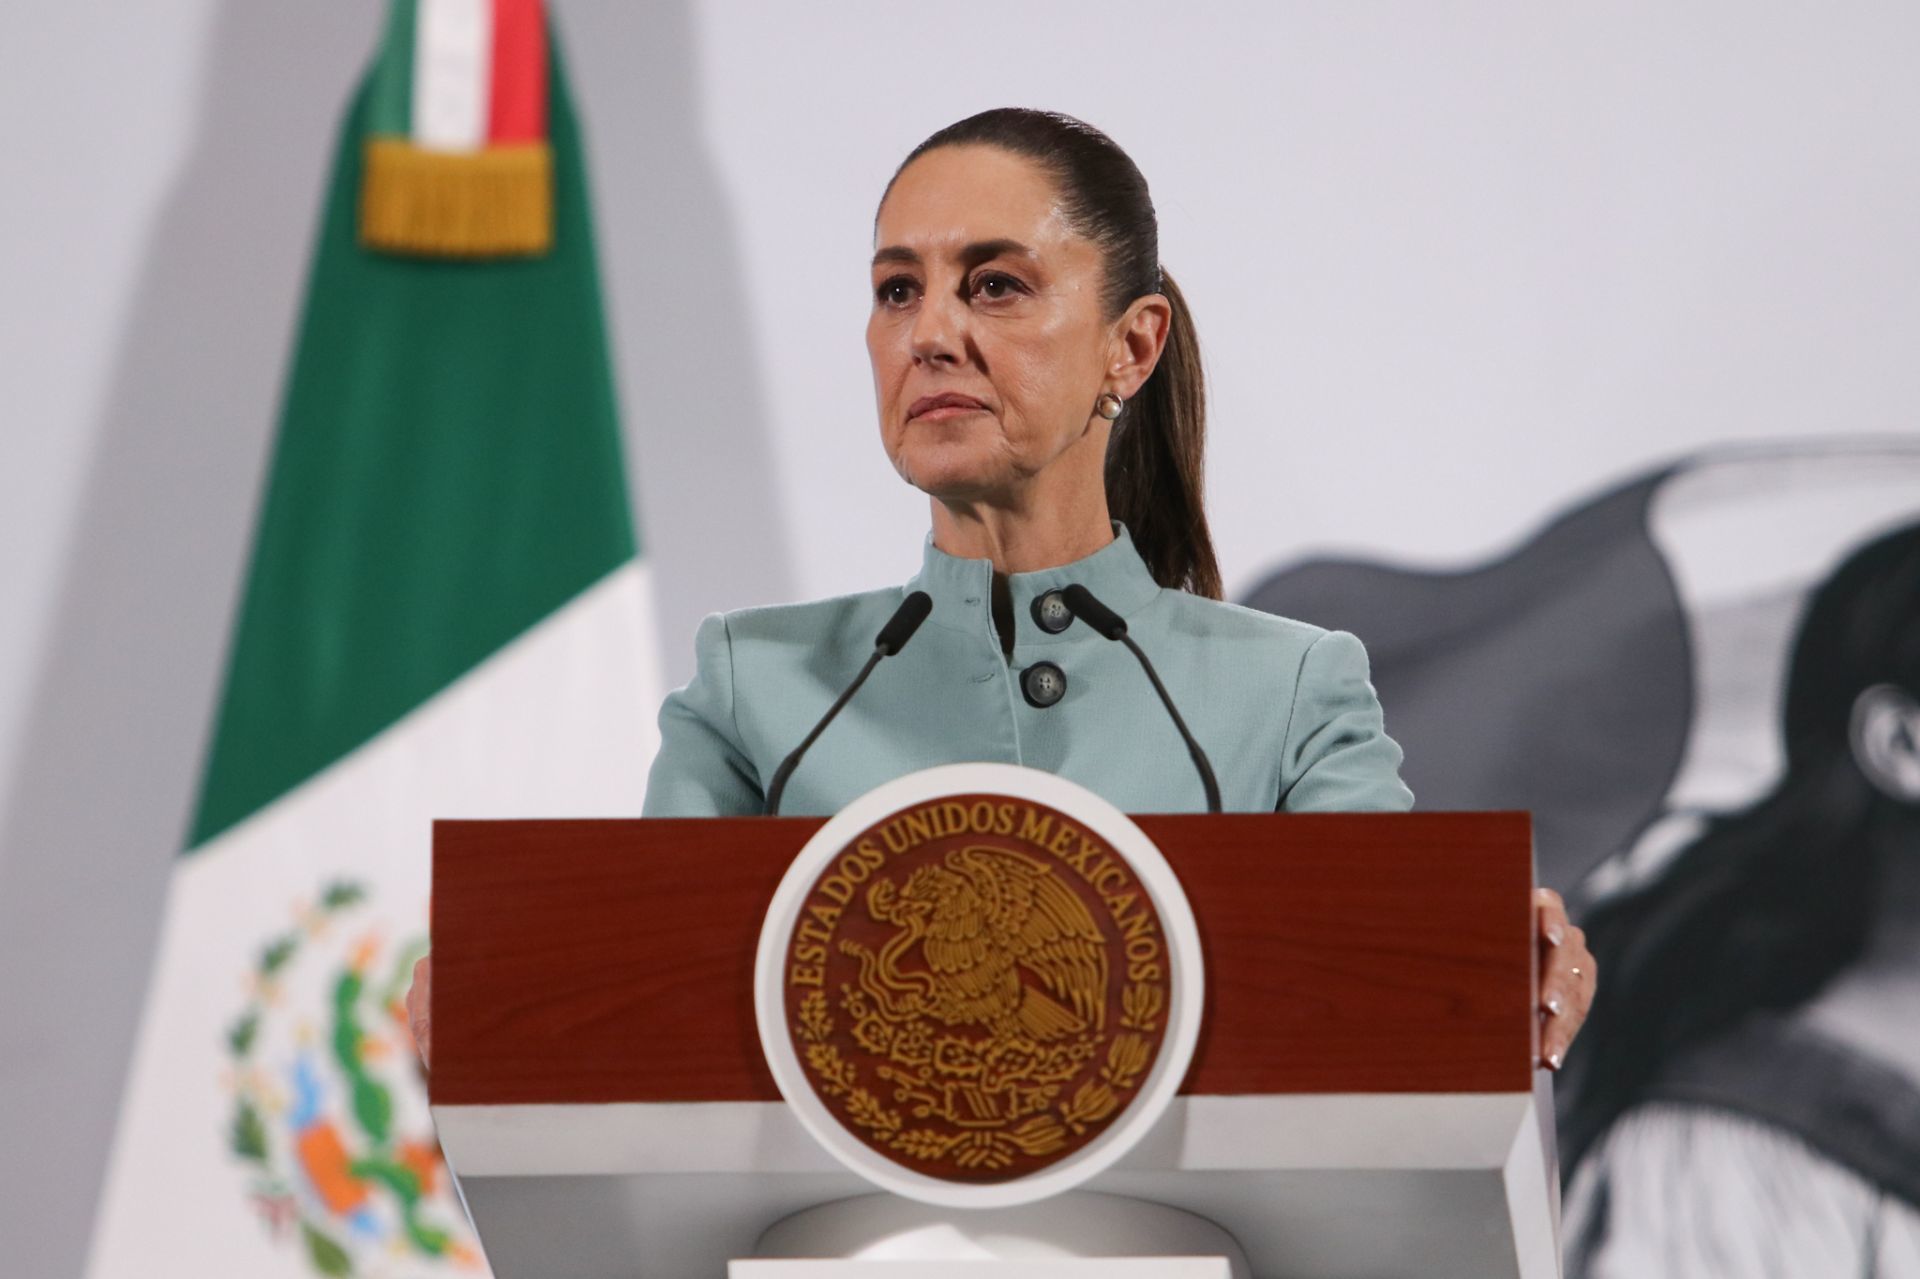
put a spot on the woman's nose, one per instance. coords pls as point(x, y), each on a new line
point(939, 328)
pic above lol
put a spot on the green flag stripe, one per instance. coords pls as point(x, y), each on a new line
point(447, 473)
point(390, 112)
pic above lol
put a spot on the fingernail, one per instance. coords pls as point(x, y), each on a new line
point(1556, 934)
point(1554, 1005)
point(1553, 1061)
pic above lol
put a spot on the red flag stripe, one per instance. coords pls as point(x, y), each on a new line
point(519, 108)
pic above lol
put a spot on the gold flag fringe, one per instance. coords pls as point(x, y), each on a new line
point(457, 204)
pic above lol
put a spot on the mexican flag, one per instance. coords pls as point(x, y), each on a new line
point(446, 615)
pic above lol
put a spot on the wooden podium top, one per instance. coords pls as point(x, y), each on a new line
point(612, 961)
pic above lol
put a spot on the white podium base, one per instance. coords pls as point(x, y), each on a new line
point(1355, 1186)
point(1077, 1227)
point(1103, 1268)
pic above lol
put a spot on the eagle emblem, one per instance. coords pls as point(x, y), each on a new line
point(969, 1001)
point(1003, 944)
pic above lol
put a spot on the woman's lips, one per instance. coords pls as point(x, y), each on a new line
point(938, 408)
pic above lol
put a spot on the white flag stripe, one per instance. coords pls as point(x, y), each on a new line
point(560, 723)
point(452, 74)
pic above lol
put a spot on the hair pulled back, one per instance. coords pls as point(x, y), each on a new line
point(1154, 468)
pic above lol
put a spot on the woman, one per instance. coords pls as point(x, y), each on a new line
point(1038, 377)
point(1752, 1103)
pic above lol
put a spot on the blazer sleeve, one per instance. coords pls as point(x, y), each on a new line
point(702, 768)
point(1337, 756)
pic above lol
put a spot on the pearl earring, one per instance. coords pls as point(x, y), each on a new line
point(1108, 406)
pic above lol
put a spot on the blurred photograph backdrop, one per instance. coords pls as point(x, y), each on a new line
point(1564, 354)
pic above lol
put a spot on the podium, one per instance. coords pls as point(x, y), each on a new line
point(1362, 1101)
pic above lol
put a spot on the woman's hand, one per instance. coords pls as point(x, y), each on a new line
point(419, 998)
point(1567, 974)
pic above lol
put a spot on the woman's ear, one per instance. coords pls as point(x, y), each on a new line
point(1885, 733)
point(1139, 336)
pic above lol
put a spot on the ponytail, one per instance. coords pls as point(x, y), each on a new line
point(1154, 456)
point(1156, 482)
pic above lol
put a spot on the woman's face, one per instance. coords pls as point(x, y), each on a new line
point(986, 336)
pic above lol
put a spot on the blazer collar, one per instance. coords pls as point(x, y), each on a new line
point(962, 589)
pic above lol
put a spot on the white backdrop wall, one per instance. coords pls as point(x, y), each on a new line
point(1453, 266)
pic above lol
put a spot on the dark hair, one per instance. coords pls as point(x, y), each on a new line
point(1768, 904)
point(1154, 460)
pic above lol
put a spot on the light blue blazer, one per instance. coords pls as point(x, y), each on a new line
point(1284, 710)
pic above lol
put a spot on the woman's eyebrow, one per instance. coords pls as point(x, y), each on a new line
point(972, 255)
point(987, 250)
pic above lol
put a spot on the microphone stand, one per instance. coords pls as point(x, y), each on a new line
point(892, 638)
point(1110, 624)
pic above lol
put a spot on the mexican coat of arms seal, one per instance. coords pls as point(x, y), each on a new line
point(975, 987)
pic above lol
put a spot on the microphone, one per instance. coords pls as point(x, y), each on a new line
point(893, 637)
point(900, 627)
point(1111, 625)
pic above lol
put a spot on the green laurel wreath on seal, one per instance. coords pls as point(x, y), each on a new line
point(371, 1100)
